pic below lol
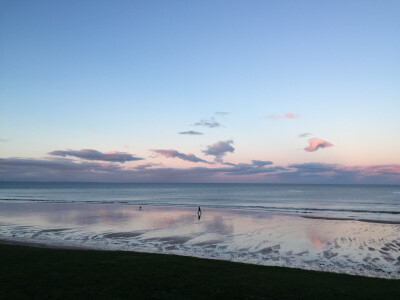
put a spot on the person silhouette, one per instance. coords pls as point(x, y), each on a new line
point(199, 211)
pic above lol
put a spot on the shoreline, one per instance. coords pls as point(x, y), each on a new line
point(92, 248)
point(41, 245)
point(343, 246)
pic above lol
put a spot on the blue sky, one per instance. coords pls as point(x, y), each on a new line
point(128, 76)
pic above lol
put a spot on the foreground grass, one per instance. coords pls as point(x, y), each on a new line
point(40, 273)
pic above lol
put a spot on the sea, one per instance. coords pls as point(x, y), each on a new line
point(352, 229)
point(353, 202)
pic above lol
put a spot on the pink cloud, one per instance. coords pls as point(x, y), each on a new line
point(288, 115)
point(316, 143)
point(385, 169)
point(373, 169)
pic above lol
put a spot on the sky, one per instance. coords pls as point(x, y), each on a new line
point(200, 91)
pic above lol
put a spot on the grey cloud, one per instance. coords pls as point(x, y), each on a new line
point(261, 163)
point(142, 167)
point(208, 123)
point(306, 134)
point(314, 167)
point(171, 153)
point(3, 140)
point(219, 149)
point(61, 165)
point(221, 113)
point(251, 169)
point(227, 163)
point(191, 132)
point(90, 154)
point(145, 166)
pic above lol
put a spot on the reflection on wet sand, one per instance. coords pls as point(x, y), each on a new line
point(352, 247)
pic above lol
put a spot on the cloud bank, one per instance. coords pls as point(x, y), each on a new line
point(59, 169)
point(335, 173)
point(316, 143)
point(90, 154)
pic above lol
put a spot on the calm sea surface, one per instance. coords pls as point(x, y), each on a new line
point(356, 202)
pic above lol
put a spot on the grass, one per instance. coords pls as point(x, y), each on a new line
point(43, 273)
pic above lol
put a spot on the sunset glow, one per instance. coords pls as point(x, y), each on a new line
point(173, 92)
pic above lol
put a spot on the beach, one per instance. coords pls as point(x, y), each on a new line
point(239, 235)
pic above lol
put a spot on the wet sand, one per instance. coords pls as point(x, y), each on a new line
point(343, 246)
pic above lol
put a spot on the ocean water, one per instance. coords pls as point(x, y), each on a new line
point(353, 202)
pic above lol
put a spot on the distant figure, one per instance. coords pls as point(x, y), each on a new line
point(140, 208)
point(199, 211)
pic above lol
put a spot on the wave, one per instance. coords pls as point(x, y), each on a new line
point(229, 206)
